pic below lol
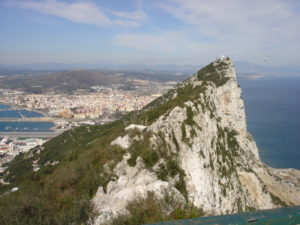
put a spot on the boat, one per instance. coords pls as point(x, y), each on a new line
point(252, 220)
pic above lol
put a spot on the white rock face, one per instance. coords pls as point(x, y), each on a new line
point(209, 137)
point(123, 142)
point(132, 183)
point(206, 186)
point(135, 126)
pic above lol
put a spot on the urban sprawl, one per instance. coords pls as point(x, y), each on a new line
point(69, 110)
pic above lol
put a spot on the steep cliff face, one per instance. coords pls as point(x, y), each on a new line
point(194, 145)
point(215, 151)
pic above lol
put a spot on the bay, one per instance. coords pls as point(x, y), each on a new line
point(16, 126)
point(19, 113)
point(4, 107)
point(8, 126)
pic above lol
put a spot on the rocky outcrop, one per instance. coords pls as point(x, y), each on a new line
point(197, 147)
point(130, 183)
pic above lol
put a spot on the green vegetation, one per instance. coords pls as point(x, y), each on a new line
point(142, 148)
point(227, 156)
point(189, 113)
point(183, 132)
point(151, 209)
point(150, 155)
point(175, 142)
point(209, 73)
point(227, 149)
point(181, 185)
point(202, 154)
point(250, 209)
point(239, 205)
point(61, 194)
point(277, 200)
point(190, 121)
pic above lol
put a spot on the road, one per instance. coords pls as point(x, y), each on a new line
point(31, 134)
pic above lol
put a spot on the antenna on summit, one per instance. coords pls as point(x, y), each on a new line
point(222, 57)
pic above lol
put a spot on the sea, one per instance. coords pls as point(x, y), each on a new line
point(6, 111)
point(273, 118)
point(279, 216)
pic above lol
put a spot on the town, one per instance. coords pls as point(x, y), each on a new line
point(101, 105)
point(11, 147)
point(102, 101)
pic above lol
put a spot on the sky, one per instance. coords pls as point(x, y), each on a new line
point(191, 32)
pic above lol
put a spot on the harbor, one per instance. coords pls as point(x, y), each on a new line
point(19, 122)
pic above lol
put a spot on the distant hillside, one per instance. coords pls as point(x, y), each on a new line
point(241, 66)
point(285, 70)
point(69, 81)
point(60, 81)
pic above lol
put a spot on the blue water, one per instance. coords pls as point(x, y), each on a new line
point(8, 126)
point(5, 107)
point(282, 216)
point(18, 113)
point(25, 126)
point(273, 118)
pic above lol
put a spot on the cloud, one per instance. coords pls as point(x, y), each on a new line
point(253, 20)
point(138, 15)
point(84, 12)
point(240, 27)
point(167, 42)
point(170, 46)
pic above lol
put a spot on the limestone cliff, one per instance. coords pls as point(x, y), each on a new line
point(193, 143)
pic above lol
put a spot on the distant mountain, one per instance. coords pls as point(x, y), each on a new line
point(60, 81)
point(46, 66)
point(69, 81)
point(286, 70)
point(101, 66)
point(241, 66)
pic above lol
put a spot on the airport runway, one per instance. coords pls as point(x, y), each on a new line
point(28, 119)
point(31, 134)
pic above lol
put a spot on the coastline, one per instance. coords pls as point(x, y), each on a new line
point(19, 107)
point(51, 129)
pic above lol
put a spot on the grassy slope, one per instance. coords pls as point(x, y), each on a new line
point(60, 194)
